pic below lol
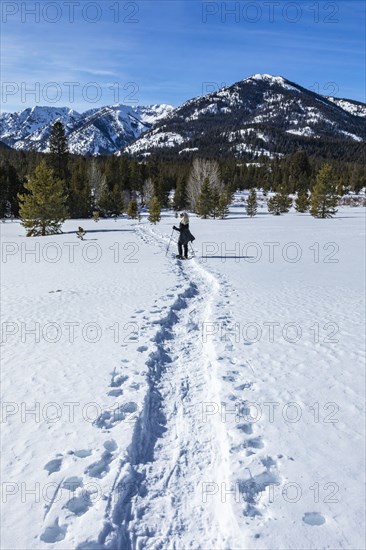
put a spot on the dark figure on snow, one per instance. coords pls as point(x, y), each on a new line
point(185, 236)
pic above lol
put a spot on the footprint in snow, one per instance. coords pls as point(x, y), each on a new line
point(118, 380)
point(246, 428)
point(142, 349)
point(53, 466)
point(313, 518)
point(82, 453)
point(54, 533)
point(79, 505)
point(115, 393)
point(245, 386)
point(253, 488)
point(72, 483)
point(254, 443)
point(110, 445)
point(268, 462)
point(228, 378)
point(100, 468)
point(249, 445)
point(108, 419)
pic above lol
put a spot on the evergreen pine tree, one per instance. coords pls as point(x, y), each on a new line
point(59, 155)
point(204, 203)
point(154, 211)
point(252, 203)
point(357, 178)
point(302, 203)
point(111, 201)
point(299, 171)
point(43, 209)
point(274, 206)
point(324, 199)
point(124, 172)
point(162, 189)
point(135, 176)
point(132, 210)
point(215, 200)
point(223, 205)
point(10, 186)
point(280, 203)
point(80, 198)
point(180, 201)
point(284, 200)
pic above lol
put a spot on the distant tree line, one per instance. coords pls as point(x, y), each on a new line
point(109, 186)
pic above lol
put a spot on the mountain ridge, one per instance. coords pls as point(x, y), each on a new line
point(101, 130)
point(258, 115)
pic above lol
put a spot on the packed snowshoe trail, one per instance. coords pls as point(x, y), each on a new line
point(180, 453)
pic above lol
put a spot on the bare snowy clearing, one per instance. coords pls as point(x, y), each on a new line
point(210, 404)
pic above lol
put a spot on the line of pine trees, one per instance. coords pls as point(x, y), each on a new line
point(80, 187)
point(114, 181)
point(321, 203)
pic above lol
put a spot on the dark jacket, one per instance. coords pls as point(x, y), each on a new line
point(185, 236)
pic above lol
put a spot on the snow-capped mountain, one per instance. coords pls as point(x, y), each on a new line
point(262, 114)
point(102, 130)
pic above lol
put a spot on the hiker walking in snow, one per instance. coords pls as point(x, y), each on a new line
point(185, 236)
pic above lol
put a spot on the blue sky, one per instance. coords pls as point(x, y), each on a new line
point(86, 54)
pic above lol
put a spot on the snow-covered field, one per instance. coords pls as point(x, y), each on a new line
point(209, 404)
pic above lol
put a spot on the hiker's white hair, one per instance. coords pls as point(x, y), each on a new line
point(184, 218)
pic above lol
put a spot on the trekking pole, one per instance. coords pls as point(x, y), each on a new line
point(170, 240)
